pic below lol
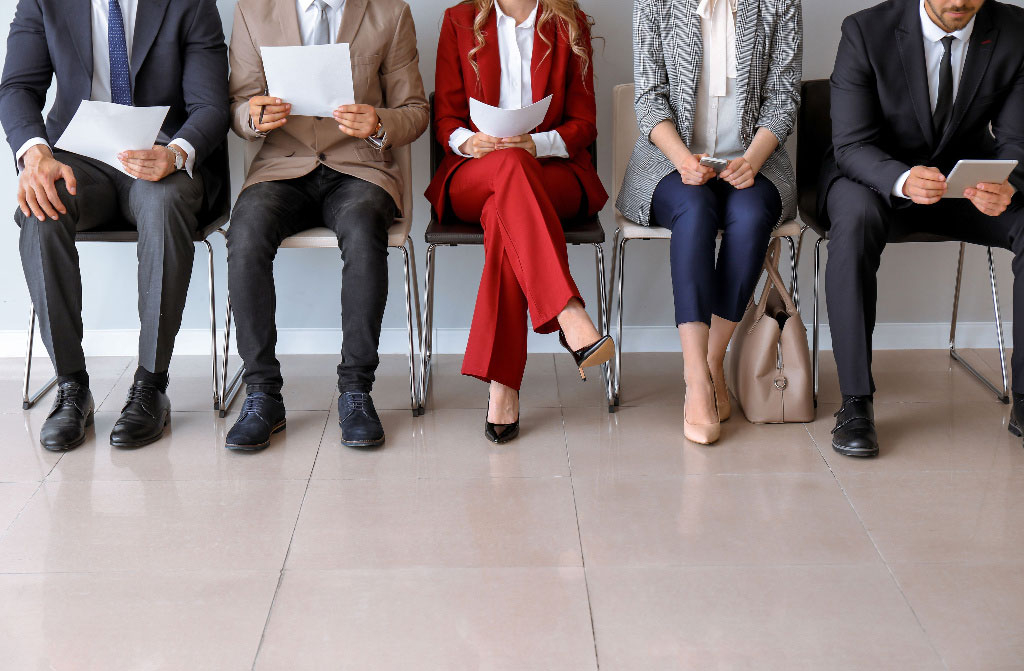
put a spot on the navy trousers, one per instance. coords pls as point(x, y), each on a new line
point(701, 285)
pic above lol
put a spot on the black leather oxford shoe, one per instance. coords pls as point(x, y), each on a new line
point(262, 416)
point(360, 425)
point(854, 435)
point(1017, 416)
point(71, 413)
point(146, 412)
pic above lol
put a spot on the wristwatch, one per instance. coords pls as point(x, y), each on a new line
point(379, 138)
point(179, 156)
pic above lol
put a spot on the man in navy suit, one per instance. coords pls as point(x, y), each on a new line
point(130, 52)
point(917, 86)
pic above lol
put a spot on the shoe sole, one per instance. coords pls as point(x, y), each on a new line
point(362, 443)
point(64, 448)
point(255, 448)
point(1015, 430)
point(602, 356)
point(860, 454)
point(147, 441)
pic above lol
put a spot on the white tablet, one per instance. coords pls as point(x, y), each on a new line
point(969, 174)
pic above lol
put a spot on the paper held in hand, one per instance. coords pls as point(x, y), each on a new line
point(501, 123)
point(102, 130)
point(314, 79)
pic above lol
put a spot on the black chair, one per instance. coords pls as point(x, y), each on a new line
point(813, 140)
point(452, 233)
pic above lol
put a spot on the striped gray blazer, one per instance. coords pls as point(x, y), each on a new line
point(667, 58)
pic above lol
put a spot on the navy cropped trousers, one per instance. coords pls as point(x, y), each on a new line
point(701, 285)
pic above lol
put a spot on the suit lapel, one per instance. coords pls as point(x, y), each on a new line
point(147, 24)
point(541, 60)
point(350, 19)
point(979, 54)
point(910, 43)
point(488, 59)
point(288, 34)
point(79, 23)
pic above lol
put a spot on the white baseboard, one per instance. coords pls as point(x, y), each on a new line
point(453, 341)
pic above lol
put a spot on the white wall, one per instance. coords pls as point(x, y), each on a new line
point(915, 280)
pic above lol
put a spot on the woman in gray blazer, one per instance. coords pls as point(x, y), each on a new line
point(714, 79)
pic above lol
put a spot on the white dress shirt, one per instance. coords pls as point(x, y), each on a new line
point(933, 53)
point(716, 126)
point(515, 46)
point(101, 71)
point(308, 15)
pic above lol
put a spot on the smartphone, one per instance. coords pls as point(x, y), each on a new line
point(716, 164)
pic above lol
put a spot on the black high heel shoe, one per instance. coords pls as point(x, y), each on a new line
point(491, 433)
point(592, 355)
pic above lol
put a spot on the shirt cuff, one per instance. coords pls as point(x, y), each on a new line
point(190, 153)
point(550, 144)
point(897, 191)
point(458, 138)
point(25, 147)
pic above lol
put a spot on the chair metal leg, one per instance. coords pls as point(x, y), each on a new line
point(228, 389)
point(427, 333)
point(816, 324)
point(618, 273)
point(213, 325)
point(419, 317)
point(602, 318)
point(413, 395)
point(28, 399)
point(1002, 394)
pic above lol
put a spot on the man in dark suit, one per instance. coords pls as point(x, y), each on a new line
point(130, 52)
point(917, 86)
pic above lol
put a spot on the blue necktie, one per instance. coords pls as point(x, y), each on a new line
point(117, 47)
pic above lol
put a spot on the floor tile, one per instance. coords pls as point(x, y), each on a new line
point(938, 436)
point(785, 618)
point(158, 526)
point(971, 612)
point(431, 620)
point(449, 388)
point(495, 522)
point(648, 379)
point(104, 373)
point(448, 444)
point(391, 387)
point(185, 621)
point(13, 497)
point(22, 458)
point(718, 519)
point(942, 517)
point(648, 441)
point(990, 357)
point(193, 449)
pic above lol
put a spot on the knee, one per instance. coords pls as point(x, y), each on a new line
point(250, 240)
point(856, 213)
point(512, 159)
point(693, 211)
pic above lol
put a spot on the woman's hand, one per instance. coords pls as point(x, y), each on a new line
point(272, 112)
point(693, 173)
point(479, 145)
point(519, 142)
point(740, 173)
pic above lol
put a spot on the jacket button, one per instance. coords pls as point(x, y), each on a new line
point(322, 157)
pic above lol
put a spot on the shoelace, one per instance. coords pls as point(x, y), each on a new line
point(142, 395)
point(66, 394)
point(252, 405)
point(358, 401)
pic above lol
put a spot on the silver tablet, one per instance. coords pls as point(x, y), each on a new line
point(969, 174)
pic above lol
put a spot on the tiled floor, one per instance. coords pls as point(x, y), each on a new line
point(595, 541)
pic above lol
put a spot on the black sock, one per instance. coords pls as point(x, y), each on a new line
point(158, 380)
point(81, 377)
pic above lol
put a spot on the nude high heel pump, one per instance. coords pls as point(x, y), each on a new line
point(703, 434)
point(723, 402)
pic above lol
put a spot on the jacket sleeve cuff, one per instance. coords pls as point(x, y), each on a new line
point(897, 189)
point(458, 138)
point(550, 144)
point(25, 147)
point(190, 153)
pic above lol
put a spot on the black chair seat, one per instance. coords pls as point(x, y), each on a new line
point(586, 231)
point(124, 232)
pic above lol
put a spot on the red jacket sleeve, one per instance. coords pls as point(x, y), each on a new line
point(451, 106)
point(579, 120)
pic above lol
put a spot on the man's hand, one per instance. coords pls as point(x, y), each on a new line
point(357, 120)
point(740, 173)
point(925, 186)
point(693, 173)
point(479, 145)
point(37, 195)
point(274, 113)
point(519, 142)
point(991, 199)
point(151, 165)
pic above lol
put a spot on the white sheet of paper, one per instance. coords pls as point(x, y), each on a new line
point(497, 122)
point(315, 79)
point(103, 130)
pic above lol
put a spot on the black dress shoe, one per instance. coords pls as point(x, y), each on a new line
point(1017, 416)
point(508, 431)
point(71, 413)
point(262, 415)
point(591, 355)
point(145, 414)
point(854, 435)
point(360, 425)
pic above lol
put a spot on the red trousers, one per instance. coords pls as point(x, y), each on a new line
point(520, 202)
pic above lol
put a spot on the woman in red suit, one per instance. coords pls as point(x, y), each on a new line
point(509, 54)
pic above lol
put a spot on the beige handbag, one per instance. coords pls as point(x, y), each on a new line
point(769, 367)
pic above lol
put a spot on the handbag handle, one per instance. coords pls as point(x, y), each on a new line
point(771, 266)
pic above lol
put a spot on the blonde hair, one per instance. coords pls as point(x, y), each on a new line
point(565, 13)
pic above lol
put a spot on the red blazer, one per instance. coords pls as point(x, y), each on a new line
point(573, 111)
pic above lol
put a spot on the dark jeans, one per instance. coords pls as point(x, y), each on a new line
point(164, 213)
point(696, 214)
point(862, 223)
point(359, 213)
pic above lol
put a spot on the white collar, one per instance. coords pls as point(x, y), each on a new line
point(528, 23)
point(706, 8)
point(334, 4)
point(933, 33)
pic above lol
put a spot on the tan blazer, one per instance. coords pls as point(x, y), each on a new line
point(386, 74)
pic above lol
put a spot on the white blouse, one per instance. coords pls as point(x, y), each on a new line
point(716, 125)
point(515, 46)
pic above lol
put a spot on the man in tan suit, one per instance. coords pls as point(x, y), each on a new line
point(312, 171)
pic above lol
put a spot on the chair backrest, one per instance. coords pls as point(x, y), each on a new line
point(625, 133)
point(814, 139)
